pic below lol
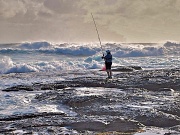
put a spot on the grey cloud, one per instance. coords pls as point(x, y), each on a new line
point(23, 8)
point(9, 8)
point(134, 20)
point(145, 20)
point(61, 6)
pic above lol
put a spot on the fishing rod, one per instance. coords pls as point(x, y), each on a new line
point(97, 33)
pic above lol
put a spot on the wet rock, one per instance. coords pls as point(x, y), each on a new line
point(5, 131)
point(122, 69)
point(54, 96)
point(136, 67)
point(47, 87)
point(117, 125)
point(47, 96)
point(175, 109)
point(33, 115)
point(158, 121)
point(80, 101)
point(144, 96)
point(150, 80)
point(18, 88)
point(125, 68)
point(167, 134)
point(91, 126)
point(60, 86)
point(176, 128)
point(37, 86)
point(166, 89)
point(50, 86)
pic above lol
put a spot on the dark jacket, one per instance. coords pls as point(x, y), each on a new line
point(108, 57)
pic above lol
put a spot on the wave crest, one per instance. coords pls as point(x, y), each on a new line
point(7, 66)
point(118, 50)
point(35, 45)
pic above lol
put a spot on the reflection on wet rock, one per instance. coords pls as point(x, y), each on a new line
point(130, 102)
point(117, 125)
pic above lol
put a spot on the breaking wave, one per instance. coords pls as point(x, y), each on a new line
point(35, 45)
point(7, 65)
point(118, 50)
point(44, 56)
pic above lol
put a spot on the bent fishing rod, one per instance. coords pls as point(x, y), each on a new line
point(97, 33)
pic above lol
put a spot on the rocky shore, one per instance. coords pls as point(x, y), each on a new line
point(132, 101)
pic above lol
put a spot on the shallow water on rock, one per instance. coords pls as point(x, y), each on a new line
point(19, 103)
point(93, 105)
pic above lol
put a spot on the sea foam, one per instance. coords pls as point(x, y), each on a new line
point(7, 66)
point(5, 63)
point(45, 56)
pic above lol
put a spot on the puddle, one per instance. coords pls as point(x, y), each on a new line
point(15, 103)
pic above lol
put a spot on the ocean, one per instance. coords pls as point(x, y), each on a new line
point(45, 57)
point(44, 62)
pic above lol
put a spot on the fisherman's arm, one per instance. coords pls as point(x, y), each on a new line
point(103, 57)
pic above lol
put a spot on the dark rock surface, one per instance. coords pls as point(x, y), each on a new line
point(125, 104)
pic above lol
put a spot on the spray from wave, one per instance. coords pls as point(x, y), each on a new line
point(44, 56)
point(119, 50)
point(7, 66)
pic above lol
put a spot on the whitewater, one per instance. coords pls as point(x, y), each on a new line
point(31, 64)
point(47, 57)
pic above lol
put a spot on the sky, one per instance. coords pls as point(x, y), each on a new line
point(71, 20)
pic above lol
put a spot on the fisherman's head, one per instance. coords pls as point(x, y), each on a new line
point(108, 52)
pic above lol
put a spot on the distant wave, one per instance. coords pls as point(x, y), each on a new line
point(171, 44)
point(78, 56)
point(134, 52)
point(74, 51)
point(13, 51)
point(35, 45)
point(118, 50)
point(45, 47)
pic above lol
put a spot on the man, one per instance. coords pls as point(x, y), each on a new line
point(108, 63)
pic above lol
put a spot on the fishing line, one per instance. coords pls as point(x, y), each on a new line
point(97, 33)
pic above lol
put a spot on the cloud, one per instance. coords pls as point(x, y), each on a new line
point(137, 20)
point(62, 6)
point(70, 20)
point(9, 8)
point(27, 9)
